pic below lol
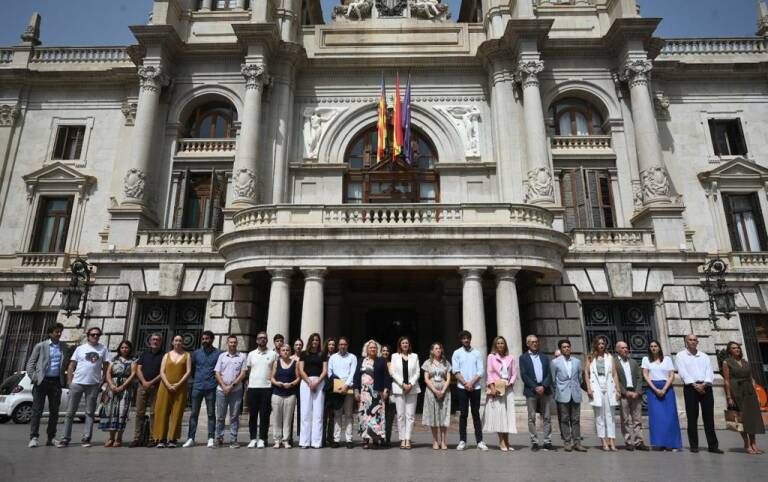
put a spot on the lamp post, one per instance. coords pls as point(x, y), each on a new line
point(721, 298)
point(70, 296)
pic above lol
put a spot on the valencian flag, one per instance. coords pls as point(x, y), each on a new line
point(382, 122)
point(406, 123)
point(397, 117)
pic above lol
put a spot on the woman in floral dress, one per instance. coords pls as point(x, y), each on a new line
point(437, 399)
point(117, 399)
point(371, 391)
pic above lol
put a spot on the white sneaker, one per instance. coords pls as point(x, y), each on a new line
point(189, 443)
point(33, 443)
point(252, 444)
point(482, 446)
point(462, 445)
point(211, 444)
point(260, 444)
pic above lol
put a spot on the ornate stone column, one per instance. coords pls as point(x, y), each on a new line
point(502, 82)
point(245, 170)
point(279, 311)
point(473, 311)
point(152, 80)
point(313, 304)
point(206, 5)
point(653, 175)
point(539, 187)
point(508, 313)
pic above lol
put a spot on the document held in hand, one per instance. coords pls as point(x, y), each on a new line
point(338, 384)
point(501, 386)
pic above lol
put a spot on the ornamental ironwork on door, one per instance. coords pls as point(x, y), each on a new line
point(628, 321)
point(170, 318)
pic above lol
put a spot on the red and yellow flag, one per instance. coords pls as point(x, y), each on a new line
point(382, 122)
point(397, 114)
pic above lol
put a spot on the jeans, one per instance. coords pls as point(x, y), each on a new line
point(406, 414)
point(76, 393)
point(282, 416)
point(568, 415)
point(546, 409)
point(707, 401)
point(210, 406)
point(233, 402)
point(346, 411)
point(49, 388)
point(145, 399)
point(467, 399)
point(632, 420)
point(259, 406)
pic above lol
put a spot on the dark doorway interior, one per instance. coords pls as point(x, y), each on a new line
point(387, 326)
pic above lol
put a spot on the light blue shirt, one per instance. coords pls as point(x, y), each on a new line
point(343, 367)
point(470, 364)
point(537, 368)
point(55, 356)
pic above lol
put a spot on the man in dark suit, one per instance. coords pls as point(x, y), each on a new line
point(46, 369)
point(537, 380)
point(631, 381)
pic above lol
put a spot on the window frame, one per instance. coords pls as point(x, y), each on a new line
point(588, 110)
point(213, 219)
point(730, 218)
point(58, 123)
point(192, 126)
point(583, 174)
point(724, 124)
point(41, 215)
point(705, 116)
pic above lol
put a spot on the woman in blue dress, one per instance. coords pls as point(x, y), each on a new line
point(664, 425)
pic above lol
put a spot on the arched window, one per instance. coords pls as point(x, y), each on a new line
point(213, 120)
point(390, 181)
point(576, 117)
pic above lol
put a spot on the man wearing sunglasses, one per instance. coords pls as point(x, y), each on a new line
point(85, 375)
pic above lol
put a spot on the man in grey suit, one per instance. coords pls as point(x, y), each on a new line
point(567, 375)
point(631, 381)
point(46, 369)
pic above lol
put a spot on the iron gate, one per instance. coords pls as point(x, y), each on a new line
point(170, 318)
point(25, 330)
point(628, 321)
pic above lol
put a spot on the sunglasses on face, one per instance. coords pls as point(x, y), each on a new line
point(97, 335)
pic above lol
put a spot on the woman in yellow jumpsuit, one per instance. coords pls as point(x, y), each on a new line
point(172, 395)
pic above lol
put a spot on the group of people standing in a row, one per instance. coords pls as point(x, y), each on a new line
point(327, 386)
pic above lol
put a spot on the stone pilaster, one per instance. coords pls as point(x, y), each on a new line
point(245, 170)
point(313, 304)
point(502, 84)
point(279, 311)
point(473, 310)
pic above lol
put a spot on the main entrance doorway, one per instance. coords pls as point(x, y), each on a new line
point(387, 326)
point(170, 318)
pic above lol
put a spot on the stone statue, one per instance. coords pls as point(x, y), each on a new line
point(353, 10)
point(655, 184)
point(134, 183)
point(540, 185)
point(316, 121)
point(429, 9)
point(466, 119)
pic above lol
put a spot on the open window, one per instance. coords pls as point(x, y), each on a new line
point(587, 198)
point(200, 197)
point(745, 222)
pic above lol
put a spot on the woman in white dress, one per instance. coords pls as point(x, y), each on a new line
point(499, 415)
point(602, 380)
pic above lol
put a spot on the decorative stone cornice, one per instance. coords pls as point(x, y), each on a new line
point(528, 71)
point(636, 72)
point(9, 114)
point(152, 78)
point(254, 76)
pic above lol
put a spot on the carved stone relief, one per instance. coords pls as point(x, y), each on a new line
point(316, 122)
point(466, 119)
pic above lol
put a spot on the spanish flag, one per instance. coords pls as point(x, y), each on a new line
point(397, 114)
point(382, 122)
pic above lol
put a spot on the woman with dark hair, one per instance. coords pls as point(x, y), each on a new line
point(175, 370)
point(313, 368)
point(404, 371)
point(663, 423)
point(389, 404)
point(117, 400)
point(437, 398)
point(499, 415)
point(741, 394)
point(328, 408)
point(372, 384)
point(602, 388)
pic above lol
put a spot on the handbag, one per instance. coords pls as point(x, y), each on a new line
point(734, 420)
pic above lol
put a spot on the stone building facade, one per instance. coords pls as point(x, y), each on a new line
point(573, 173)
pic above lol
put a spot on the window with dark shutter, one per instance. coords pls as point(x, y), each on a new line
point(727, 137)
point(199, 200)
point(587, 198)
point(744, 218)
point(69, 143)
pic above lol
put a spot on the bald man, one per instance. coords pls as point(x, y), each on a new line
point(631, 389)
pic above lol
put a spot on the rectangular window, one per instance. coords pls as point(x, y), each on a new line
point(727, 137)
point(52, 225)
point(25, 330)
point(199, 200)
point(69, 143)
point(745, 222)
point(224, 4)
point(587, 199)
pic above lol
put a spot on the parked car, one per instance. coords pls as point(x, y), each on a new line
point(16, 400)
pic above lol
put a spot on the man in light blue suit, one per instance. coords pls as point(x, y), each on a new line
point(567, 375)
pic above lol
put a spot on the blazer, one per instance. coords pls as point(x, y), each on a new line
point(39, 361)
point(594, 379)
point(567, 388)
point(495, 363)
point(381, 379)
point(637, 376)
point(529, 375)
point(396, 372)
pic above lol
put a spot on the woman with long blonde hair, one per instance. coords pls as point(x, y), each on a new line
point(371, 392)
point(602, 382)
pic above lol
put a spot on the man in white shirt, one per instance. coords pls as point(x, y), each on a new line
point(259, 364)
point(696, 371)
point(342, 366)
point(85, 376)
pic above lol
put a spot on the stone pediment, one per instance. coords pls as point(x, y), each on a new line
point(737, 173)
point(58, 174)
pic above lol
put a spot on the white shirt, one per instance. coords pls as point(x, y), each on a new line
point(89, 361)
point(695, 368)
point(260, 363)
point(568, 366)
point(343, 367)
point(658, 371)
point(627, 372)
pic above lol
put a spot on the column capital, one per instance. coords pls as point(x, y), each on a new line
point(314, 273)
point(152, 78)
point(506, 274)
point(255, 76)
point(636, 72)
point(280, 274)
point(472, 273)
point(527, 72)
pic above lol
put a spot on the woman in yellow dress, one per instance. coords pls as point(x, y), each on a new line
point(175, 369)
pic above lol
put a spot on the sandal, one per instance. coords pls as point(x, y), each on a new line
point(109, 443)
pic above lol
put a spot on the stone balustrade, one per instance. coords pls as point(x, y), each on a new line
point(80, 55)
point(576, 143)
point(205, 147)
point(714, 46)
point(6, 56)
point(749, 260)
point(378, 215)
point(43, 260)
point(176, 239)
point(612, 238)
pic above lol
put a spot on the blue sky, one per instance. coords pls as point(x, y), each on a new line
point(105, 22)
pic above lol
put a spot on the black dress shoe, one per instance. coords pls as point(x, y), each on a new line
point(334, 445)
point(534, 447)
point(716, 450)
point(642, 447)
point(629, 448)
point(350, 445)
point(550, 447)
point(694, 450)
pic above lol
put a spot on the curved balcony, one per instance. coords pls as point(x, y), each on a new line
point(394, 236)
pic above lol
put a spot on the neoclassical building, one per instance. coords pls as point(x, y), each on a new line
point(571, 175)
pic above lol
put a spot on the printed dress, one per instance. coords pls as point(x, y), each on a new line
point(371, 410)
point(114, 413)
point(437, 413)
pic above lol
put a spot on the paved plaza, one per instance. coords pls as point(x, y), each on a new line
point(420, 464)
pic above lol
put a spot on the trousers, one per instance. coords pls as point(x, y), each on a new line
point(210, 406)
point(467, 400)
point(282, 416)
point(76, 393)
point(545, 402)
point(346, 412)
point(312, 404)
point(568, 414)
point(707, 401)
point(405, 405)
point(49, 388)
point(632, 420)
point(234, 403)
point(259, 406)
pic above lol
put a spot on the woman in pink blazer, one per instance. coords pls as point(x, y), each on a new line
point(499, 413)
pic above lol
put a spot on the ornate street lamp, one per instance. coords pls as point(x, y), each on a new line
point(721, 298)
point(70, 296)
